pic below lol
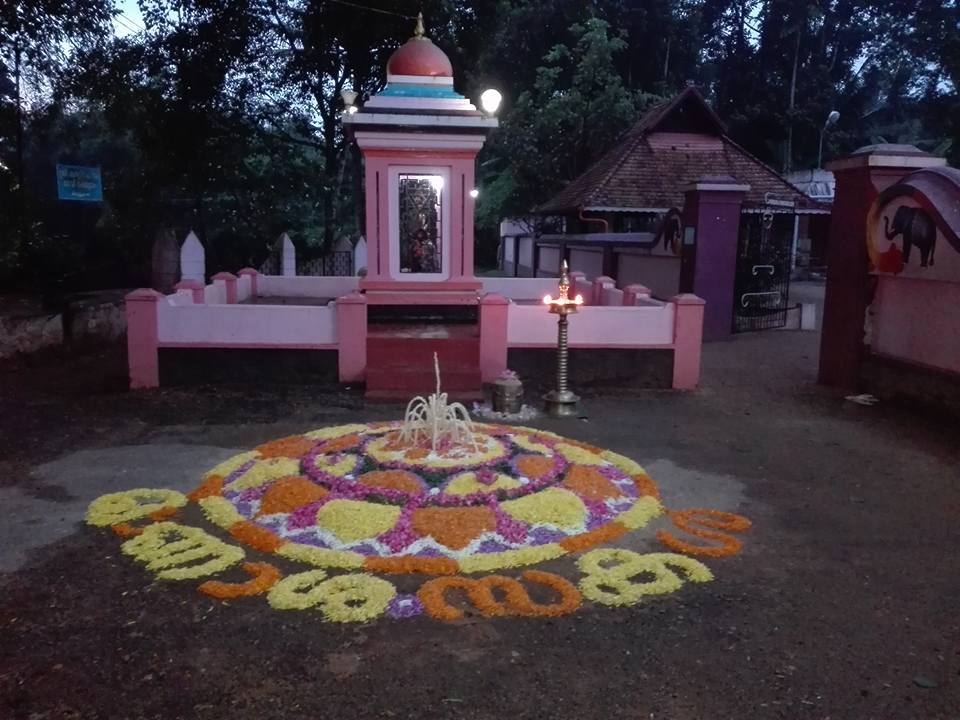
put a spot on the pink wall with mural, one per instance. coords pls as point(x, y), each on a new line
point(914, 254)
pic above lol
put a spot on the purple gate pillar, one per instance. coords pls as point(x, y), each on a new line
point(711, 227)
point(861, 177)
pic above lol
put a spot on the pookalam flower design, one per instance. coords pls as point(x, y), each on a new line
point(520, 497)
point(352, 504)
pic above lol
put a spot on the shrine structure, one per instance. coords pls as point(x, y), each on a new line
point(419, 293)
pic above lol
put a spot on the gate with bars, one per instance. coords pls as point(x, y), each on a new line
point(762, 282)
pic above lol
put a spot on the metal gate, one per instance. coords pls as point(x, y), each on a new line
point(762, 284)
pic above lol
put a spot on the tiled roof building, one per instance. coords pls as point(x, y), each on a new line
point(675, 144)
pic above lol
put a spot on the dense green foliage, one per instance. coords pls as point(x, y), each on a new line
point(223, 115)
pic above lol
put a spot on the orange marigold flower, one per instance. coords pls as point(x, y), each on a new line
point(646, 485)
point(340, 444)
point(570, 596)
point(255, 536)
point(589, 483)
point(290, 493)
point(694, 521)
point(401, 480)
point(605, 533)
point(265, 576)
point(291, 447)
point(481, 594)
point(126, 530)
point(410, 565)
point(534, 466)
point(455, 527)
point(164, 513)
point(432, 595)
point(393, 443)
point(213, 485)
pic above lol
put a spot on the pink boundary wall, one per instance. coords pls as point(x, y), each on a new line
point(142, 337)
point(352, 346)
point(687, 341)
point(493, 336)
point(625, 318)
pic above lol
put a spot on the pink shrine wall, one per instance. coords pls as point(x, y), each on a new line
point(377, 178)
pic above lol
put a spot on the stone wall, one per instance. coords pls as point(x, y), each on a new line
point(88, 319)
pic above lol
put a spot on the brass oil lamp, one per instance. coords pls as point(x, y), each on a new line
point(561, 402)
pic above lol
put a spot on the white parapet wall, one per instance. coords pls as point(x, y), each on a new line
point(215, 294)
point(594, 326)
point(244, 288)
point(306, 286)
point(520, 288)
point(246, 326)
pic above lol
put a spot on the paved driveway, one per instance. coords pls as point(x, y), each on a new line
point(842, 604)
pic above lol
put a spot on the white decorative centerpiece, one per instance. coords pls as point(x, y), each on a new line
point(435, 419)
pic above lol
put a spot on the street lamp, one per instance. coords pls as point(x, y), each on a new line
point(490, 101)
point(831, 119)
point(561, 402)
point(349, 98)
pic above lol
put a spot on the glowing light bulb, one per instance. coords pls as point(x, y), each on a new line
point(490, 101)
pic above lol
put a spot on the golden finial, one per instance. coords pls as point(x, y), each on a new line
point(564, 280)
point(418, 31)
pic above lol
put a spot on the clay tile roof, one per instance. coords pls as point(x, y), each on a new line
point(676, 143)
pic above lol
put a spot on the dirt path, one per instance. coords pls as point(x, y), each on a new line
point(842, 605)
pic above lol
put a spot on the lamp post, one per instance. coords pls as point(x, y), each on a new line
point(831, 119)
point(561, 402)
point(490, 101)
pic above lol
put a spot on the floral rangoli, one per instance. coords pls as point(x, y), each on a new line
point(356, 498)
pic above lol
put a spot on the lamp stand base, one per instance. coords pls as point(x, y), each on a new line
point(560, 404)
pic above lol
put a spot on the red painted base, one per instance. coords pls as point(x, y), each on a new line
point(400, 361)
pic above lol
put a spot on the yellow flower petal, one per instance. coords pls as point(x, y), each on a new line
point(623, 463)
point(231, 464)
point(220, 511)
point(642, 512)
point(467, 484)
point(345, 465)
point(578, 455)
point(352, 520)
point(553, 505)
point(328, 433)
point(527, 443)
point(121, 507)
point(321, 557)
point(264, 471)
point(482, 562)
point(171, 550)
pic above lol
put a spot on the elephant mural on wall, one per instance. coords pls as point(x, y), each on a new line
point(917, 228)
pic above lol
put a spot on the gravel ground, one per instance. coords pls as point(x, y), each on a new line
point(843, 604)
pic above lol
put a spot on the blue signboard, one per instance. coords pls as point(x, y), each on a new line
point(76, 182)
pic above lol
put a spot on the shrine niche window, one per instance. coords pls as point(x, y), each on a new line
point(420, 236)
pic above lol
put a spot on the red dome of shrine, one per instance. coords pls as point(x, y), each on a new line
point(419, 56)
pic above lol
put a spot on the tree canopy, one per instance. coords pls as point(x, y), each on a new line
point(223, 115)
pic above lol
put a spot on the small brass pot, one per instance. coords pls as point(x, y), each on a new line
point(507, 396)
